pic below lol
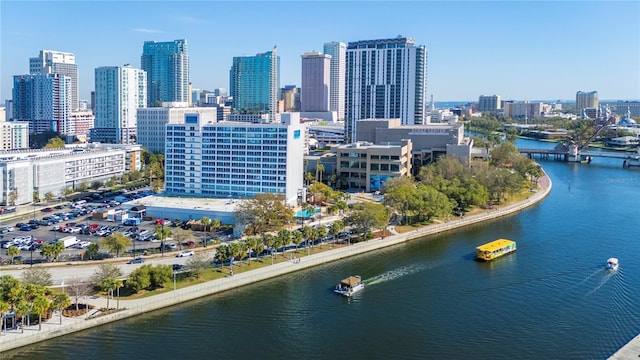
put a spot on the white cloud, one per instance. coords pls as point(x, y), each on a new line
point(148, 31)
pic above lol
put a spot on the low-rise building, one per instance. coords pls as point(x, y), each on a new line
point(14, 135)
point(53, 171)
point(367, 166)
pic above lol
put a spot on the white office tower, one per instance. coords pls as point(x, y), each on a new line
point(233, 159)
point(57, 62)
point(337, 78)
point(120, 91)
point(386, 79)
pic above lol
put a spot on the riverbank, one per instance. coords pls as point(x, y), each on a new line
point(15, 339)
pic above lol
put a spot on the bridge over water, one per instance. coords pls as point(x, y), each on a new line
point(563, 153)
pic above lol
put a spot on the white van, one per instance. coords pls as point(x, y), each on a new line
point(79, 203)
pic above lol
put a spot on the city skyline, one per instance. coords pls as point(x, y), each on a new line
point(518, 50)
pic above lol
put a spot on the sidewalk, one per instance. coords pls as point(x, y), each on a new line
point(51, 328)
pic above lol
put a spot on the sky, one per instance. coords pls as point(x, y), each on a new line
point(520, 50)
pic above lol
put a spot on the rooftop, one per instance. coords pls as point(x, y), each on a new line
point(195, 203)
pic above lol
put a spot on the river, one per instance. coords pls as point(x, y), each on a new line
point(552, 299)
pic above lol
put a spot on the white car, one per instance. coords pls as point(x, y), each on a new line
point(82, 244)
point(185, 253)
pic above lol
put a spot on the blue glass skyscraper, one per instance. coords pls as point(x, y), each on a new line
point(254, 83)
point(167, 67)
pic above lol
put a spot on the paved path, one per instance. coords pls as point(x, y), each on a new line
point(52, 328)
point(630, 351)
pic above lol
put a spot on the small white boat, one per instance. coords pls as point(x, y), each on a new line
point(349, 286)
point(612, 264)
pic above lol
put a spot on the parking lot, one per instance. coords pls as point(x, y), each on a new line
point(51, 224)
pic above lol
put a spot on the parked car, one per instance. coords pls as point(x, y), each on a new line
point(48, 209)
point(185, 253)
point(189, 243)
point(177, 267)
point(25, 227)
point(136, 261)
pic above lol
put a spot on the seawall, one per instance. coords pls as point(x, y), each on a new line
point(161, 301)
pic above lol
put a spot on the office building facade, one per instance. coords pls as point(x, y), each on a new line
point(120, 91)
point(57, 62)
point(152, 123)
point(338, 52)
point(233, 159)
point(315, 88)
point(254, 83)
point(14, 135)
point(489, 103)
point(385, 78)
point(586, 100)
point(44, 101)
point(23, 172)
point(167, 68)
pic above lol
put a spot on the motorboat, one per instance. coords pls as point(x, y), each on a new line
point(612, 264)
point(349, 286)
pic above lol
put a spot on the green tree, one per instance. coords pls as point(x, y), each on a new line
point(400, 194)
point(265, 212)
point(96, 184)
point(21, 309)
point(252, 244)
point(57, 249)
point(37, 275)
point(12, 251)
point(296, 238)
point(105, 271)
point(116, 242)
point(8, 288)
point(335, 228)
point(432, 203)
point(367, 215)
point(108, 285)
point(159, 275)
point(92, 250)
point(140, 278)
point(54, 143)
point(223, 252)
point(40, 306)
point(60, 302)
point(4, 309)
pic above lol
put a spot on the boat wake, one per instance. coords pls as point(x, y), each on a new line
point(604, 280)
point(587, 278)
point(394, 274)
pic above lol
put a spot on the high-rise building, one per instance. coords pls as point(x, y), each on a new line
point(291, 98)
point(57, 62)
point(42, 100)
point(338, 52)
point(200, 160)
point(489, 103)
point(167, 68)
point(386, 78)
point(586, 100)
point(254, 83)
point(315, 87)
point(120, 91)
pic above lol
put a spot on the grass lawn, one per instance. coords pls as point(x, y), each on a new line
point(183, 280)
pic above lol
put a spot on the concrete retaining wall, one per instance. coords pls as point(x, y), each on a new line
point(137, 307)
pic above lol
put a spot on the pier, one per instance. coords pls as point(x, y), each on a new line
point(630, 351)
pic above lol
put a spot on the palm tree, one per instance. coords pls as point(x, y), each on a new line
point(252, 244)
point(21, 309)
point(321, 232)
point(118, 284)
point(12, 252)
point(335, 228)
point(40, 306)
point(62, 301)
point(308, 177)
point(284, 238)
point(319, 171)
point(269, 241)
point(107, 286)
point(296, 238)
point(163, 233)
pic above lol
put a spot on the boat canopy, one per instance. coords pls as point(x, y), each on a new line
point(495, 245)
point(351, 281)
